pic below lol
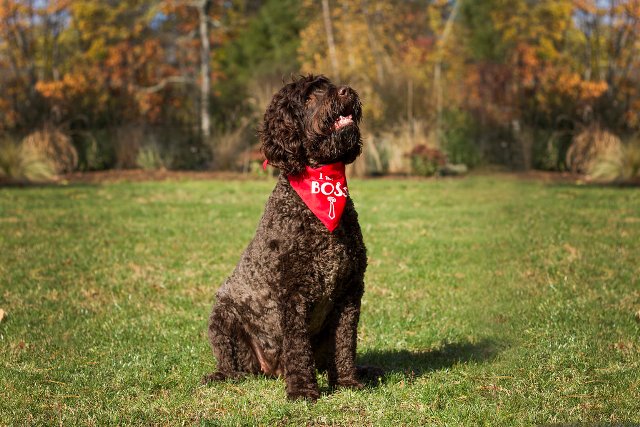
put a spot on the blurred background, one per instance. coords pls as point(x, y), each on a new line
point(447, 86)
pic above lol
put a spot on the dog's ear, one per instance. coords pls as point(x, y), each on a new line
point(282, 131)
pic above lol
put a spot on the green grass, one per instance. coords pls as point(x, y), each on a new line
point(489, 301)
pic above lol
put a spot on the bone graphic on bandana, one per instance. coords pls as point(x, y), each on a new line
point(332, 210)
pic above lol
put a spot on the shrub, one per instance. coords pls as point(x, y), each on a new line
point(386, 151)
point(375, 157)
point(589, 145)
point(183, 149)
point(54, 146)
point(150, 158)
point(458, 138)
point(127, 141)
point(549, 149)
point(620, 163)
point(227, 146)
point(426, 161)
point(24, 163)
point(95, 151)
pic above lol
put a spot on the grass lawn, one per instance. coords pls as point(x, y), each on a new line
point(489, 300)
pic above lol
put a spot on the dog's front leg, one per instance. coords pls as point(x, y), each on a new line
point(299, 365)
point(342, 369)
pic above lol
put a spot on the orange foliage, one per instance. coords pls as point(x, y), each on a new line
point(58, 91)
point(527, 63)
point(572, 85)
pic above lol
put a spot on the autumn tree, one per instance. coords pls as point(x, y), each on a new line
point(374, 42)
point(498, 79)
point(523, 75)
point(610, 52)
point(29, 51)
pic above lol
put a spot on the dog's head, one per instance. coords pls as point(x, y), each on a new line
point(310, 121)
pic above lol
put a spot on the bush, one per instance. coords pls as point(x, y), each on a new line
point(227, 146)
point(95, 151)
point(426, 161)
point(549, 150)
point(150, 158)
point(24, 163)
point(386, 151)
point(620, 163)
point(376, 155)
point(127, 141)
point(590, 145)
point(54, 146)
point(458, 138)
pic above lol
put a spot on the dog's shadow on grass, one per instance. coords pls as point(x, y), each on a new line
point(416, 363)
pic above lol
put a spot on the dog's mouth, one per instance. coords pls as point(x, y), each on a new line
point(342, 121)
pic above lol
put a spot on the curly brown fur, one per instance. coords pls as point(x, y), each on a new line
point(292, 304)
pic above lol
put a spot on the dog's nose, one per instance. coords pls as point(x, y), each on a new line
point(343, 90)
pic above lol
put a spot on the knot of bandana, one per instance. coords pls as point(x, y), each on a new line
point(324, 191)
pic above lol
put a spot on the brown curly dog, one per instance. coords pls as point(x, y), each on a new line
point(292, 304)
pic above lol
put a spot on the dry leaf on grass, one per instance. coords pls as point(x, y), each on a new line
point(2, 314)
point(573, 252)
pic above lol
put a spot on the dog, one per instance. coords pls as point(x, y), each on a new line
point(292, 304)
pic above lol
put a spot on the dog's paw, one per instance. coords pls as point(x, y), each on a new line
point(308, 394)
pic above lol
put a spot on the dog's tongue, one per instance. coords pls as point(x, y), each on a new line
point(342, 122)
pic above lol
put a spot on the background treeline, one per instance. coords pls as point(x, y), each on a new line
point(447, 85)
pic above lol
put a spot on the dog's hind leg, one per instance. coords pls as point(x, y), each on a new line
point(230, 346)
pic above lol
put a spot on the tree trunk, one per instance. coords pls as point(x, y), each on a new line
point(437, 69)
point(205, 68)
point(326, 13)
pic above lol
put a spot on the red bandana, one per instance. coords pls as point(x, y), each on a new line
point(324, 191)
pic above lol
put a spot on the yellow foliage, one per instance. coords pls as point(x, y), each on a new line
point(361, 51)
point(384, 49)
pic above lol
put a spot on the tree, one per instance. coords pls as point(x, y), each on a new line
point(611, 53)
point(29, 51)
point(369, 37)
point(260, 54)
